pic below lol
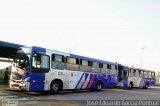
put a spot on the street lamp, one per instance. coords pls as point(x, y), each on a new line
point(142, 56)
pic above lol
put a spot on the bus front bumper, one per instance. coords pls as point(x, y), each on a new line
point(17, 84)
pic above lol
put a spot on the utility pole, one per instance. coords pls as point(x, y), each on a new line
point(142, 56)
point(74, 46)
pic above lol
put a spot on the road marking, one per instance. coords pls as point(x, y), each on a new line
point(12, 97)
point(18, 99)
point(28, 94)
point(29, 103)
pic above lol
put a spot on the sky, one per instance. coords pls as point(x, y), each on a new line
point(112, 30)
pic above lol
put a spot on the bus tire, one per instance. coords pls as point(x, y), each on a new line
point(146, 85)
point(115, 87)
point(130, 85)
point(55, 87)
point(99, 86)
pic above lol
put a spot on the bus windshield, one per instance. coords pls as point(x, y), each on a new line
point(21, 60)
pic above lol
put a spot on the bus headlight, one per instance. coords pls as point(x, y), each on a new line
point(23, 81)
point(26, 79)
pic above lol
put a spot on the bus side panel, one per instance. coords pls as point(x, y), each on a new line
point(114, 81)
point(106, 82)
point(89, 80)
point(74, 79)
point(70, 79)
point(101, 77)
point(137, 81)
point(86, 81)
point(125, 82)
point(151, 81)
point(36, 79)
point(93, 85)
point(37, 82)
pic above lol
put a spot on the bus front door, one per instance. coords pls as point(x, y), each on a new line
point(120, 73)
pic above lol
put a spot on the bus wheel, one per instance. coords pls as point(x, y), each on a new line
point(130, 85)
point(99, 86)
point(146, 86)
point(55, 87)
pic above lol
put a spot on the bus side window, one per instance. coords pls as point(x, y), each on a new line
point(84, 65)
point(132, 72)
point(72, 63)
point(149, 75)
point(58, 62)
point(104, 68)
point(108, 66)
point(113, 70)
point(126, 72)
point(95, 66)
point(36, 61)
point(153, 74)
point(137, 73)
point(41, 63)
point(145, 74)
point(140, 73)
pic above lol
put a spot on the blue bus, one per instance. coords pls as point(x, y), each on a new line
point(130, 77)
point(41, 69)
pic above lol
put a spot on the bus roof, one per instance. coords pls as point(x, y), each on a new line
point(76, 56)
point(137, 68)
point(91, 59)
point(145, 70)
point(88, 58)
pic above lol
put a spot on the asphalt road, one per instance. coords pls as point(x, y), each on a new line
point(78, 98)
